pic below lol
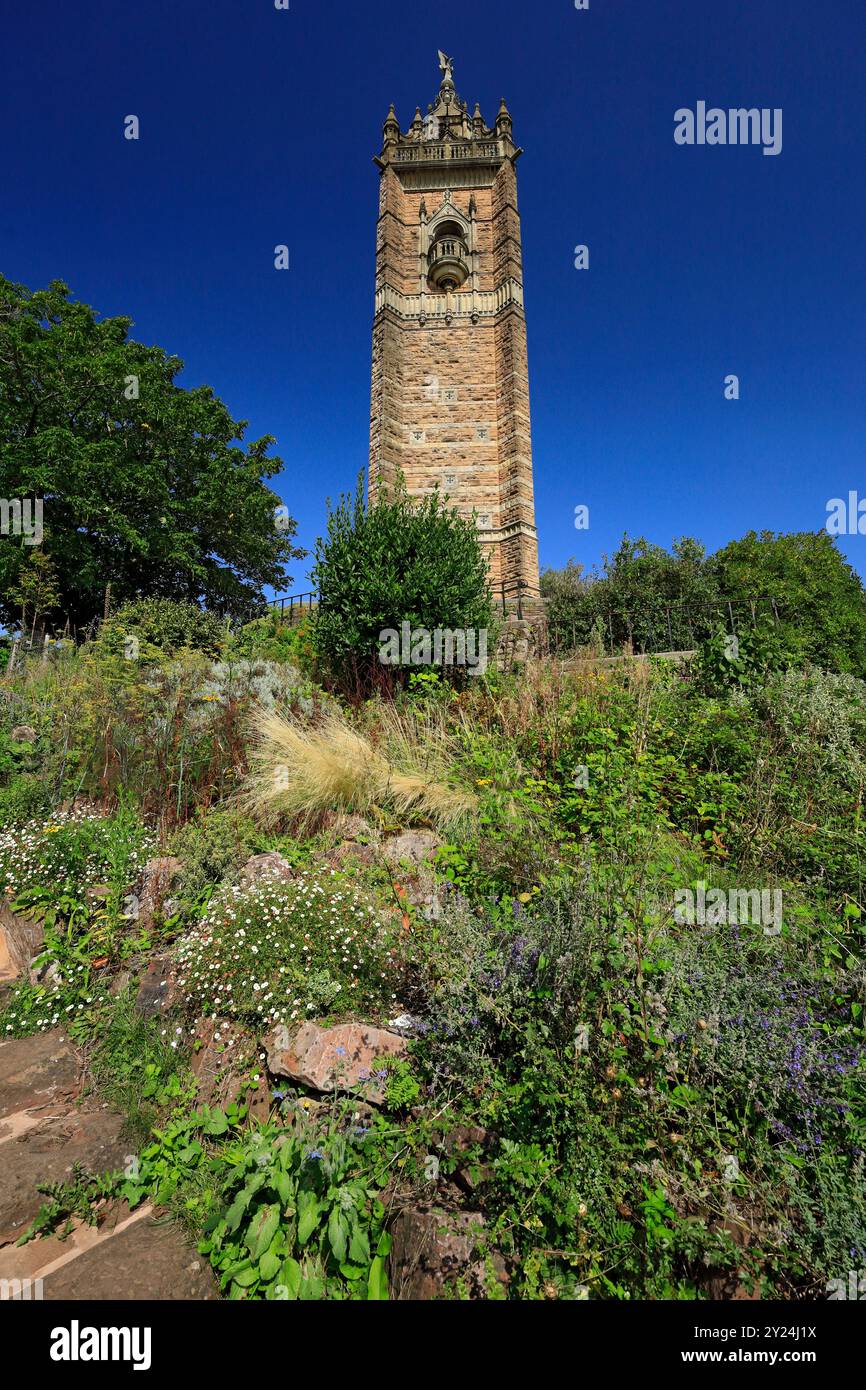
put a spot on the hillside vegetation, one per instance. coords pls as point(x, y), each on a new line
point(626, 1101)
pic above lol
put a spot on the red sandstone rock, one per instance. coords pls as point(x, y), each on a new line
point(342, 1058)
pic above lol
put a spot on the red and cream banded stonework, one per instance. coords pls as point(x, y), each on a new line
point(450, 397)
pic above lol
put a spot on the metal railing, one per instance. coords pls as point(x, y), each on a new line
point(668, 627)
point(292, 608)
point(513, 586)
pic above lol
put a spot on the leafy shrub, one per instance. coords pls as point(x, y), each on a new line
point(396, 560)
point(301, 1222)
point(645, 596)
point(163, 627)
point(265, 684)
point(23, 799)
point(764, 1031)
point(721, 665)
point(71, 852)
point(150, 730)
point(277, 952)
point(212, 848)
point(273, 639)
point(821, 601)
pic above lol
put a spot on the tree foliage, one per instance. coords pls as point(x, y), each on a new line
point(799, 585)
point(645, 595)
point(146, 486)
point(820, 600)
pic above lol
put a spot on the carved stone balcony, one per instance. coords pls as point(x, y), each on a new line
point(448, 264)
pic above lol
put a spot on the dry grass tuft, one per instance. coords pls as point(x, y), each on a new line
point(404, 764)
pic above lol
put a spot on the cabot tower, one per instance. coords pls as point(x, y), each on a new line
point(450, 399)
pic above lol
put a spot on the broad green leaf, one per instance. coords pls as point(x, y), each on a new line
point(377, 1283)
point(262, 1230)
point(337, 1233)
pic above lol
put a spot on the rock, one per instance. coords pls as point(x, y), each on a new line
point(411, 847)
point(42, 972)
point(520, 640)
point(47, 1152)
point(24, 733)
point(269, 866)
point(349, 826)
point(132, 907)
point(407, 1025)
point(144, 1262)
point(347, 852)
point(462, 1140)
point(432, 1250)
point(222, 1063)
point(157, 879)
point(20, 940)
point(37, 1072)
point(464, 1137)
point(119, 983)
point(157, 992)
point(341, 1058)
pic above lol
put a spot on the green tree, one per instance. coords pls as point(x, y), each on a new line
point(36, 591)
point(395, 560)
point(646, 595)
point(571, 601)
point(821, 602)
point(147, 487)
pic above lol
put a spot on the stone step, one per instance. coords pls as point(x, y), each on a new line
point(46, 1152)
point(38, 1071)
point(45, 1129)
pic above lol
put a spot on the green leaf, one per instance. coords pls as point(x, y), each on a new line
point(337, 1233)
point(290, 1276)
point(377, 1283)
point(262, 1230)
point(269, 1265)
point(359, 1247)
point(309, 1217)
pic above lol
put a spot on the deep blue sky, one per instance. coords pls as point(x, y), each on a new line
point(258, 127)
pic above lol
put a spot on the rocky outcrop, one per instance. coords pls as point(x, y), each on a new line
point(342, 1058)
point(158, 878)
point(223, 1060)
point(265, 866)
point(442, 1254)
point(157, 992)
point(20, 940)
point(413, 847)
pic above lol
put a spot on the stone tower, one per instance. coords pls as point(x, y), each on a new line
point(450, 399)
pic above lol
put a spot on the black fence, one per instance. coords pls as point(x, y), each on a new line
point(293, 608)
point(654, 627)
